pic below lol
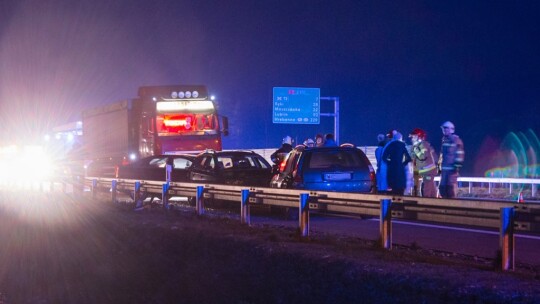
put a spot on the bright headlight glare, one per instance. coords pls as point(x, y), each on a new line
point(29, 165)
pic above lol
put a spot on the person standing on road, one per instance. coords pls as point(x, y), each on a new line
point(319, 140)
point(309, 143)
point(450, 160)
point(279, 155)
point(396, 157)
point(329, 140)
point(424, 164)
point(381, 143)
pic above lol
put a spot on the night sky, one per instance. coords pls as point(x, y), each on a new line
point(393, 64)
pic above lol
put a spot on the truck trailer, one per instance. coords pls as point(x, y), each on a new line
point(161, 120)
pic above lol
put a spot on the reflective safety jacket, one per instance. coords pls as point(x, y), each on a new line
point(424, 159)
point(452, 153)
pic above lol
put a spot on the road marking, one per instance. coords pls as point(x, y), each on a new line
point(523, 236)
point(463, 229)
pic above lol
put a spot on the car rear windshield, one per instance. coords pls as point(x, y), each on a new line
point(335, 158)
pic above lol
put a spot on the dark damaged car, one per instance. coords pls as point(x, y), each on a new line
point(243, 168)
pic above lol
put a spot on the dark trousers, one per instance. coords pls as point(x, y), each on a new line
point(448, 184)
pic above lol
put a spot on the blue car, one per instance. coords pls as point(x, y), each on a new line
point(342, 169)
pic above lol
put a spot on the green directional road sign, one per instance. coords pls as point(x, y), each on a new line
point(296, 105)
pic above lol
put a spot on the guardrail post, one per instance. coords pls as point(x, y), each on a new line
point(165, 195)
point(507, 238)
point(168, 170)
point(303, 210)
point(200, 200)
point(114, 186)
point(386, 224)
point(244, 207)
point(94, 188)
point(137, 195)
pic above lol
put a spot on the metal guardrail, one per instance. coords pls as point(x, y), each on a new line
point(504, 181)
point(506, 216)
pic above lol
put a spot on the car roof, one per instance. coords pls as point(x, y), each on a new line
point(342, 147)
point(188, 156)
point(230, 152)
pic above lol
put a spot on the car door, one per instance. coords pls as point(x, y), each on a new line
point(149, 168)
point(203, 169)
point(284, 178)
point(180, 168)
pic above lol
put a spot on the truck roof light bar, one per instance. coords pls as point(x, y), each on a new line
point(180, 106)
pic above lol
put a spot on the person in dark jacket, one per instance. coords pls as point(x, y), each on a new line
point(329, 140)
point(381, 143)
point(279, 155)
point(396, 158)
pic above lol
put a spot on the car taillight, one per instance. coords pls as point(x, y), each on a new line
point(282, 166)
point(372, 176)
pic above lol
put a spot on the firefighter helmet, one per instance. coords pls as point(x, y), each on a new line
point(448, 125)
point(419, 132)
point(287, 140)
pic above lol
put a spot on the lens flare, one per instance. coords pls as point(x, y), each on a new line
point(517, 156)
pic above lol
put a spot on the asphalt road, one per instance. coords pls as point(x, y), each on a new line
point(470, 241)
point(451, 239)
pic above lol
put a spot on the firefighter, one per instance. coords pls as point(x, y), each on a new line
point(424, 164)
point(450, 160)
point(279, 155)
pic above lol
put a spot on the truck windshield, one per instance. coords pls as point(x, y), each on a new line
point(175, 124)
